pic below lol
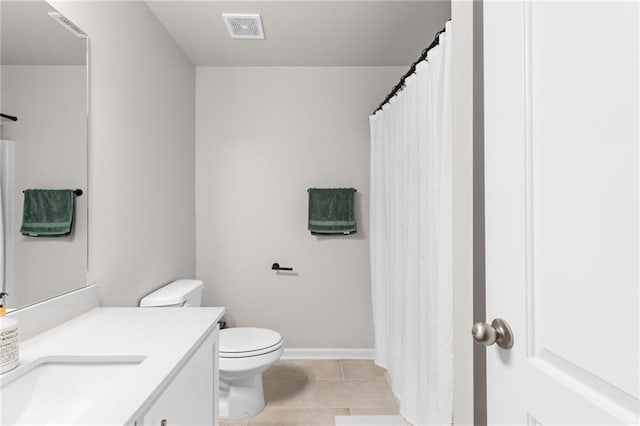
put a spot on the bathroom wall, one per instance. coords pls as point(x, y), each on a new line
point(263, 136)
point(141, 154)
point(50, 151)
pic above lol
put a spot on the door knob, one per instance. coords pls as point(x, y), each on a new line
point(498, 332)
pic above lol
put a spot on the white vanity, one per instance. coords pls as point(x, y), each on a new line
point(118, 366)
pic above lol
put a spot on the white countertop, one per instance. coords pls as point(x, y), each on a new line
point(165, 337)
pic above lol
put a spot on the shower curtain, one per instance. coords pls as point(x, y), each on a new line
point(410, 243)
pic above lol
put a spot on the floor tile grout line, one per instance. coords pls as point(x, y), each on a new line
point(342, 369)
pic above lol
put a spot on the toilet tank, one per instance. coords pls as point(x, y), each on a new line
point(179, 293)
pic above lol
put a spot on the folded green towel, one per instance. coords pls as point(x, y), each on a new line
point(47, 212)
point(332, 211)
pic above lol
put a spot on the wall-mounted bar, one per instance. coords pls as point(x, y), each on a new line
point(76, 192)
point(9, 117)
point(309, 189)
point(277, 267)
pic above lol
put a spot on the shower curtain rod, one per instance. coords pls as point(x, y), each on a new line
point(9, 117)
point(398, 87)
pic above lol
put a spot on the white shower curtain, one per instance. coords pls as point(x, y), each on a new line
point(411, 231)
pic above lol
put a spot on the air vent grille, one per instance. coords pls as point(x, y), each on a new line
point(62, 20)
point(244, 25)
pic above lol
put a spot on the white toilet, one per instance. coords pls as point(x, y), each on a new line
point(245, 352)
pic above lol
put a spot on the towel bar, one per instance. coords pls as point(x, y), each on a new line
point(76, 192)
point(354, 190)
point(9, 117)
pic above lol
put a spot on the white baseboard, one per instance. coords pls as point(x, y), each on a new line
point(328, 353)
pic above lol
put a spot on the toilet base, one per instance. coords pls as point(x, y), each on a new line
point(241, 397)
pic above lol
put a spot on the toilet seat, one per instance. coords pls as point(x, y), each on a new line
point(243, 342)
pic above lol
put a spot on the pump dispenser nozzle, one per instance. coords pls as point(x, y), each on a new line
point(8, 338)
point(3, 305)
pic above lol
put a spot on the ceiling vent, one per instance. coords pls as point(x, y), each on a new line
point(62, 20)
point(244, 25)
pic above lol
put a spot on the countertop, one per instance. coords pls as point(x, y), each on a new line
point(165, 337)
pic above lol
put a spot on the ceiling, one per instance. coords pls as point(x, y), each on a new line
point(305, 33)
point(30, 37)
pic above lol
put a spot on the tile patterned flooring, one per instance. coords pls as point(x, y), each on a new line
point(301, 393)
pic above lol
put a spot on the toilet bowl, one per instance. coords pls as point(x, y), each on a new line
point(244, 352)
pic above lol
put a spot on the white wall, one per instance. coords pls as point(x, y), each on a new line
point(50, 152)
point(141, 167)
point(263, 136)
point(462, 19)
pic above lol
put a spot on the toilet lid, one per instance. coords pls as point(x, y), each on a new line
point(239, 342)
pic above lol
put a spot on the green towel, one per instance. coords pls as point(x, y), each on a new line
point(332, 211)
point(47, 212)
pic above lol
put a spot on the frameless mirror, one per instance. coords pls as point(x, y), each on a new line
point(43, 132)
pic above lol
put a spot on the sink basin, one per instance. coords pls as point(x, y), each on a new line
point(60, 390)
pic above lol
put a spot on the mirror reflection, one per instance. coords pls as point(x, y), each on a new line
point(43, 133)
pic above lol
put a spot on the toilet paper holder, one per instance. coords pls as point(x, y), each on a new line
point(276, 267)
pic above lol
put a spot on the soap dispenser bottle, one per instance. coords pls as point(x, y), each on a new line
point(8, 339)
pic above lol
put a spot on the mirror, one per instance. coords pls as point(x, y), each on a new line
point(43, 83)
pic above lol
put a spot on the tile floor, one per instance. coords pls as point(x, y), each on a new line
point(300, 393)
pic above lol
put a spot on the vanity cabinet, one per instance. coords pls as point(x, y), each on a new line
point(191, 398)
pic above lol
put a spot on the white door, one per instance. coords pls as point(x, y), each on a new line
point(562, 218)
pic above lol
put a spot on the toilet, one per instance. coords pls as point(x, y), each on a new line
point(244, 352)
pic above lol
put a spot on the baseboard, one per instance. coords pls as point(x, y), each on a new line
point(328, 353)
